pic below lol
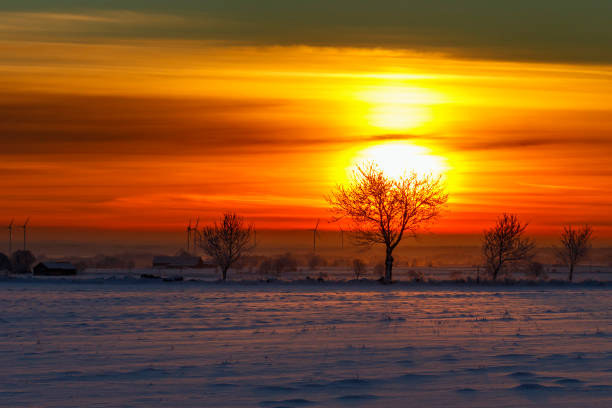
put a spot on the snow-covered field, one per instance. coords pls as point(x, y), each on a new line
point(401, 273)
point(131, 343)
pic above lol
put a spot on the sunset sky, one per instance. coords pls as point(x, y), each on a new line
point(139, 115)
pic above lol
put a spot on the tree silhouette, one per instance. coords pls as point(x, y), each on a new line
point(358, 268)
point(383, 210)
point(5, 263)
point(576, 244)
point(226, 241)
point(504, 244)
point(22, 261)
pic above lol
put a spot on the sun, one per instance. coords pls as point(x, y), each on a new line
point(399, 158)
point(398, 107)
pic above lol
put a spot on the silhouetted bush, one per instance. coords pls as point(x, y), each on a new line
point(315, 261)
point(457, 276)
point(379, 269)
point(358, 268)
point(278, 265)
point(80, 266)
point(536, 271)
point(416, 276)
point(339, 263)
point(22, 261)
point(249, 262)
point(265, 267)
point(108, 262)
point(5, 263)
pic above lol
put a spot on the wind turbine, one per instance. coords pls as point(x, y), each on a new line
point(24, 227)
point(196, 233)
point(188, 234)
point(314, 236)
point(10, 230)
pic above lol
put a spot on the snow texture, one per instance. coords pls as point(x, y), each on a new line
point(129, 343)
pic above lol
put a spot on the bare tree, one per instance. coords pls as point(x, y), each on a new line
point(5, 263)
point(576, 244)
point(226, 241)
point(504, 244)
point(22, 261)
point(384, 209)
point(358, 268)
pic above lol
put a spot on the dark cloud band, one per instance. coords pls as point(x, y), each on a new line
point(545, 30)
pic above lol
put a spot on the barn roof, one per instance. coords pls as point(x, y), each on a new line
point(185, 261)
point(58, 265)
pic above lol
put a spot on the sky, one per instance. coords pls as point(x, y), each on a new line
point(139, 115)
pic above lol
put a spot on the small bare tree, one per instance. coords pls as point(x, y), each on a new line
point(22, 261)
point(504, 244)
point(384, 209)
point(576, 244)
point(226, 241)
point(5, 263)
point(358, 268)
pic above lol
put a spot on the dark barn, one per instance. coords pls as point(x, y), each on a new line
point(180, 262)
point(55, 269)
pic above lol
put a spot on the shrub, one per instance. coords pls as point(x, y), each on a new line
point(337, 263)
point(285, 263)
point(278, 265)
point(22, 261)
point(379, 269)
point(5, 263)
point(536, 271)
point(250, 263)
point(358, 268)
point(314, 261)
point(457, 276)
point(265, 267)
point(416, 276)
point(80, 266)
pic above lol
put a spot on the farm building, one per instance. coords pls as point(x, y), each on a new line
point(55, 269)
point(180, 262)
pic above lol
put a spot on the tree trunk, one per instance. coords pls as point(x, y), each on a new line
point(224, 271)
point(388, 267)
point(571, 272)
point(496, 271)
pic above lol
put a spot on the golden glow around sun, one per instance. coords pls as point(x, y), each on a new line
point(401, 158)
point(398, 107)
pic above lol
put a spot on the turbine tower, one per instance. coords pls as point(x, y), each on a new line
point(25, 227)
point(10, 230)
point(188, 234)
point(196, 234)
point(314, 236)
